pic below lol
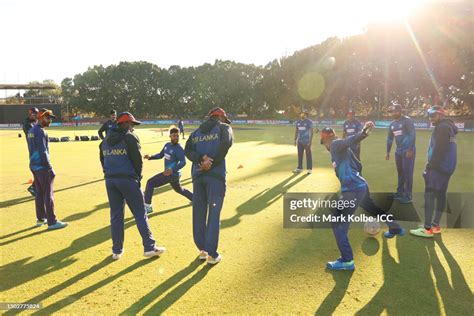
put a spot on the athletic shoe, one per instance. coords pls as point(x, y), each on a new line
point(116, 256)
point(394, 196)
point(155, 252)
point(436, 229)
point(341, 265)
point(58, 225)
point(202, 255)
point(297, 170)
point(389, 235)
point(422, 232)
point(41, 222)
point(32, 190)
point(309, 171)
point(148, 209)
point(405, 200)
point(211, 260)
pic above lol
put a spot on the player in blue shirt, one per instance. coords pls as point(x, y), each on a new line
point(207, 148)
point(442, 158)
point(109, 125)
point(40, 166)
point(351, 127)
point(353, 187)
point(181, 127)
point(174, 162)
point(402, 130)
point(303, 141)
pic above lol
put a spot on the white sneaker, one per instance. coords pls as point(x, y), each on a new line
point(116, 256)
point(202, 255)
point(155, 252)
point(297, 170)
point(211, 260)
point(309, 171)
point(148, 208)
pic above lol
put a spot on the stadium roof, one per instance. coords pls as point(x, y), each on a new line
point(27, 86)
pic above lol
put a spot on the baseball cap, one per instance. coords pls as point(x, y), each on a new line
point(219, 112)
point(127, 117)
point(33, 110)
point(326, 132)
point(113, 112)
point(351, 111)
point(47, 112)
point(436, 109)
point(396, 107)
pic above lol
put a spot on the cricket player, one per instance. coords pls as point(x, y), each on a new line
point(402, 130)
point(122, 165)
point(29, 122)
point(442, 157)
point(40, 166)
point(351, 127)
point(353, 187)
point(207, 148)
point(109, 125)
point(174, 162)
point(303, 141)
point(181, 127)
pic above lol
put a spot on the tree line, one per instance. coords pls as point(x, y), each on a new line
point(427, 60)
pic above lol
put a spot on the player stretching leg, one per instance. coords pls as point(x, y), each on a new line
point(353, 186)
point(174, 162)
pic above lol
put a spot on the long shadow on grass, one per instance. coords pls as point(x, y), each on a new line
point(408, 287)
point(78, 216)
point(164, 287)
point(19, 272)
point(262, 200)
point(30, 198)
point(457, 298)
point(172, 297)
point(49, 310)
point(334, 298)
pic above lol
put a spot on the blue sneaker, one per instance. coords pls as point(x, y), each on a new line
point(58, 225)
point(395, 196)
point(389, 235)
point(405, 200)
point(341, 265)
point(41, 222)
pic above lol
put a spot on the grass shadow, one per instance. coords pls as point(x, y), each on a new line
point(262, 200)
point(334, 298)
point(138, 306)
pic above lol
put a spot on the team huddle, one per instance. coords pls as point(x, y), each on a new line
point(122, 163)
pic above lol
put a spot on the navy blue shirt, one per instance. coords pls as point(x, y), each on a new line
point(442, 151)
point(38, 147)
point(107, 127)
point(174, 157)
point(181, 126)
point(305, 129)
point(403, 131)
point(345, 163)
point(351, 127)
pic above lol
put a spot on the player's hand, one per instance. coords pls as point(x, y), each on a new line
point(387, 157)
point(409, 154)
point(147, 157)
point(206, 163)
point(168, 172)
point(368, 126)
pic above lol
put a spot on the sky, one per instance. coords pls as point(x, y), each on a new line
point(53, 39)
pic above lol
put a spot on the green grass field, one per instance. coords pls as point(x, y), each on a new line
point(265, 269)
